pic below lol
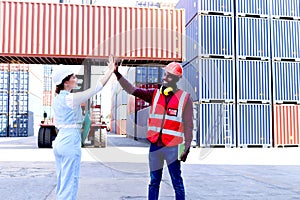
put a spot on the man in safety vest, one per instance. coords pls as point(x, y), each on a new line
point(170, 123)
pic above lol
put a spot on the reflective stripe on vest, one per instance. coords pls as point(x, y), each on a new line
point(174, 134)
point(169, 132)
point(174, 118)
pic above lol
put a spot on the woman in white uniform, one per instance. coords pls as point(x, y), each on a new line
point(68, 120)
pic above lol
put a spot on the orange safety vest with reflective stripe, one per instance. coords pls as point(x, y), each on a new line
point(167, 118)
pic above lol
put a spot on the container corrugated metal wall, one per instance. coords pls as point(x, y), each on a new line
point(190, 80)
point(121, 112)
point(18, 125)
point(131, 125)
point(286, 125)
point(121, 126)
point(148, 74)
point(286, 81)
point(210, 35)
point(4, 90)
point(285, 39)
point(196, 129)
point(121, 98)
point(18, 103)
point(193, 7)
point(217, 79)
point(14, 99)
point(48, 92)
point(286, 8)
point(3, 125)
point(18, 88)
point(112, 126)
point(254, 125)
point(4, 103)
point(252, 7)
point(253, 81)
point(217, 125)
point(4, 78)
point(253, 37)
point(72, 30)
point(192, 39)
point(18, 78)
point(142, 123)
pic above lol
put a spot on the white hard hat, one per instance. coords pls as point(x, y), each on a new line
point(60, 73)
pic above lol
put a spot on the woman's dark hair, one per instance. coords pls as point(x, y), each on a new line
point(61, 86)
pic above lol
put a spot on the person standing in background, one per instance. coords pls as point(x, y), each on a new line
point(170, 123)
point(68, 120)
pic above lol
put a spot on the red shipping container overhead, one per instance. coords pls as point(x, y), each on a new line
point(69, 33)
point(286, 125)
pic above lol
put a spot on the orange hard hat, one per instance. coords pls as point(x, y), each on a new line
point(174, 68)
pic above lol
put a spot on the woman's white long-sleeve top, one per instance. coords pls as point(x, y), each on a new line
point(67, 107)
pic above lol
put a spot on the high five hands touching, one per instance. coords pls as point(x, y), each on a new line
point(109, 71)
point(111, 63)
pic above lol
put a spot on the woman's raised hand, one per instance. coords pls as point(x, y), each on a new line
point(111, 63)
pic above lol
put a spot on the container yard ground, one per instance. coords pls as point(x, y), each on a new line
point(120, 171)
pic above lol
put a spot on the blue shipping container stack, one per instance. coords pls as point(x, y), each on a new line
point(14, 113)
point(285, 26)
point(4, 83)
point(285, 61)
point(47, 92)
point(246, 53)
point(254, 127)
point(18, 100)
point(209, 69)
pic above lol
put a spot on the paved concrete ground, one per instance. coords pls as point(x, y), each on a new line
point(120, 171)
